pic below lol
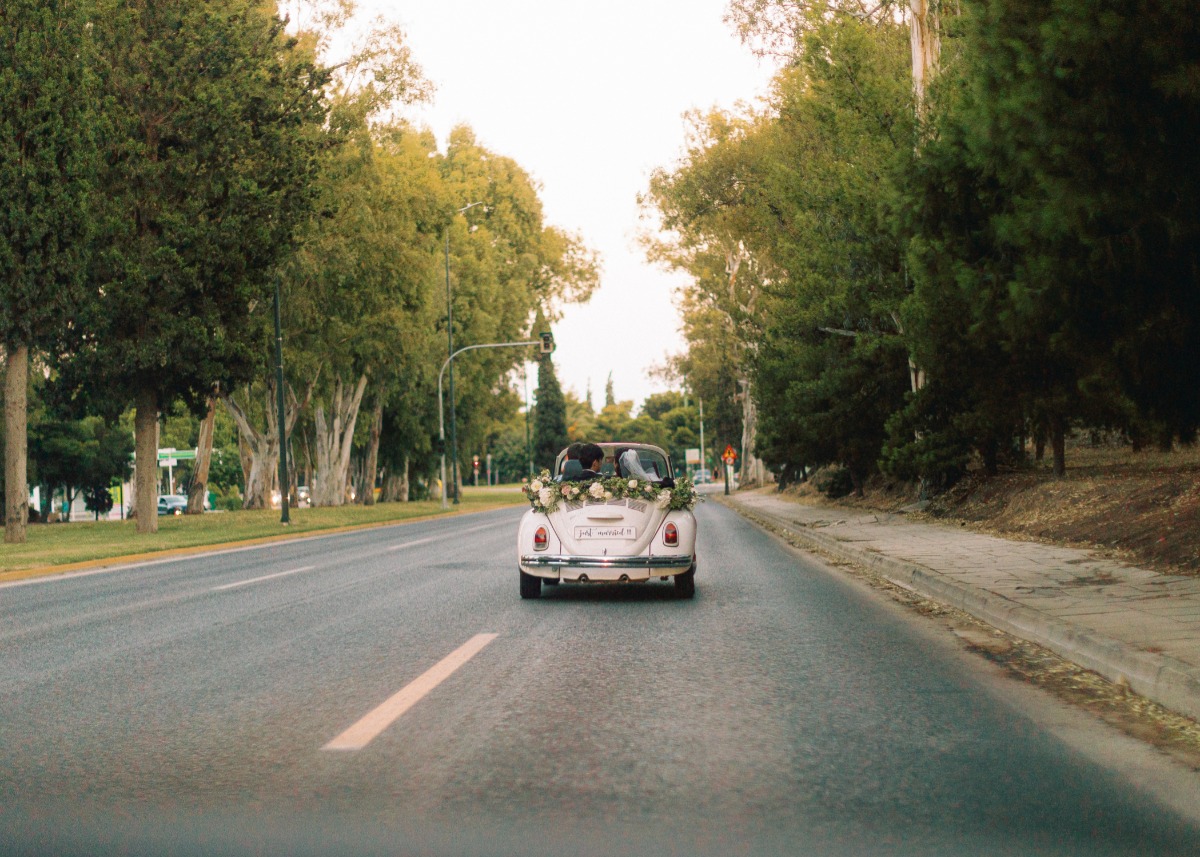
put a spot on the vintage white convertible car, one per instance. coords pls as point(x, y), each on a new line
point(614, 529)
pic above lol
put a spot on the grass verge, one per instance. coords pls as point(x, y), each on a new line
point(52, 547)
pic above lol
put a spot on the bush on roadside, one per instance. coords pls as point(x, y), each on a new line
point(834, 482)
point(228, 500)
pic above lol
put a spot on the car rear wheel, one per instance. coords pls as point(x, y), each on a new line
point(685, 584)
point(531, 585)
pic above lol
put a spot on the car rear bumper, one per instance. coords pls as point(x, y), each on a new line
point(605, 568)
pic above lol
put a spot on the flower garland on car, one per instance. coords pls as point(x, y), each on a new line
point(545, 494)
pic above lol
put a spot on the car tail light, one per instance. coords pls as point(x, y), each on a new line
point(541, 539)
point(671, 535)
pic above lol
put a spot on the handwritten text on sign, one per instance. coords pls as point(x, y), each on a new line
point(606, 532)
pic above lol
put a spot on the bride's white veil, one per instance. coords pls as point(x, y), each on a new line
point(631, 466)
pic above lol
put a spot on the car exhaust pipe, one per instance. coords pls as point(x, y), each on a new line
point(624, 578)
point(583, 578)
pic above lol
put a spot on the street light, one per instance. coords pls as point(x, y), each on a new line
point(449, 356)
point(283, 458)
point(543, 341)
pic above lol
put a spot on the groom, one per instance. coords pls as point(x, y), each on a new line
point(591, 456)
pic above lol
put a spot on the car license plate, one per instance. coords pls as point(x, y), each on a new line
point(582, 533)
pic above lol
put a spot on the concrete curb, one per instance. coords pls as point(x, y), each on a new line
point(1161, 678)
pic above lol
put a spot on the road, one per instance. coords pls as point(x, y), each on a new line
point(239, 703)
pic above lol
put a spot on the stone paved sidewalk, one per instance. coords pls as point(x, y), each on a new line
point(1128, 624)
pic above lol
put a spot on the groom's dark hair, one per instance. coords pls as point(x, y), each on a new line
point(590, 453)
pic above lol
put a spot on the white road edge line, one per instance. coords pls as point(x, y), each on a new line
point(264, 577)
point(365, 730)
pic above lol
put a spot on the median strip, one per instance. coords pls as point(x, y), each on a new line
point(264, 577)
point(365, 730)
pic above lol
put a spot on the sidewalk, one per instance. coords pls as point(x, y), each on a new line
point(1128, 624)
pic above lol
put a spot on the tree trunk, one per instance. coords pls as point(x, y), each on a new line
point(752, 467)
point(16, 444)
point(145, 441)
point(371, 468)
point(1058, 442)
point(204, 445)
point(356, 476)
point(259, 451)
point(991, 456)
point(334, 439)
point(926, 45)
point(395, 485)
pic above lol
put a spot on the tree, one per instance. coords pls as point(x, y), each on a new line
point(507, 267)
point(549, 417)
point(1054, 252)
point(705, 206)
point(47, 165)
point(363, 297)
point(87, 454)
point(214, 118)
point(781, 218)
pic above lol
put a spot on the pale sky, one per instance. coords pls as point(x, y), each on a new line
point(588, 98)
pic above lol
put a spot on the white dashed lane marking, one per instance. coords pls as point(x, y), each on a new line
point(365, 730)
point(264, 577)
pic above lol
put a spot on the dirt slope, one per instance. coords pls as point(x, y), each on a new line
point(1141, 507)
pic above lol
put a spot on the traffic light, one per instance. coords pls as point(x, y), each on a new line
point(547, 342)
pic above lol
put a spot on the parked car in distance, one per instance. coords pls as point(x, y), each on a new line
point(609, 530)
point(172, 504)
point(176, 504)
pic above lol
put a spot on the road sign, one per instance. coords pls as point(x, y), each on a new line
point(692, 456)
point(170, 457)
point(729, 455)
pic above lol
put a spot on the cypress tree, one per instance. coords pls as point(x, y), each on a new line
point(213, 126)
point(47, 160)
point(549, 417)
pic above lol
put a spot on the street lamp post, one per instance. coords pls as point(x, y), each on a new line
point(528, 448)
point(543, 342)
point(450, 355)
point(283, 458)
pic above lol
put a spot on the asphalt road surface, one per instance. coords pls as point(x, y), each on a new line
point(387, 692)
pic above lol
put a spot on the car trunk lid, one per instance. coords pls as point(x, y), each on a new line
point(615, 528)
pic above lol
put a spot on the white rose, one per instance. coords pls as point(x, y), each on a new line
point(664, 499)
point(632, 483)
point(596, 490)
point(607, 495)
point(545, 496)
point(536, 485)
